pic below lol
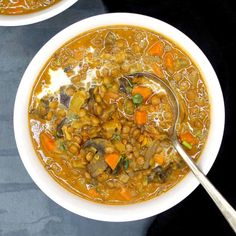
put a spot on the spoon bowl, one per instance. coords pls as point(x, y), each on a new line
point(171, 95)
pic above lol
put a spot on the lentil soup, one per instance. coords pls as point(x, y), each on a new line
point(103, 135)
point(19, 7)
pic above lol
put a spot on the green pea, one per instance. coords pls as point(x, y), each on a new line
point(137, 99)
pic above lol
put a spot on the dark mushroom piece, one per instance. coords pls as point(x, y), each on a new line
point(43, 107)
point(96, 167)
point(160, 174)
point(91, 100)
point(156, 170)
point(64, 98)
point(150, 153)
point(125, 85)
point(97, 143)
point(59, 127)
point(110, 39)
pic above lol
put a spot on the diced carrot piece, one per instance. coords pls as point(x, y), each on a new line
point(110, 97)
point(157, 49)
point(169, 61)
point(159, 159)
point(112, 159)
point(140, 117)
point(125, 193)
point(144, 91)
point(158, 71)
point(93, 192)
point(47, 142)
point(188, 137)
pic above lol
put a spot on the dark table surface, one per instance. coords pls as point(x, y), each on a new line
point(25, 210)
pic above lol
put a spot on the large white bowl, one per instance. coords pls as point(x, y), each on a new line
point(108, 212)
point(26, 19)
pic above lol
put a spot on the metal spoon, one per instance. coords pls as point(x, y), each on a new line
point(225, 208)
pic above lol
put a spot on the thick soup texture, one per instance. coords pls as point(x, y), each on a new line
point(17, 7)
point(103, 135)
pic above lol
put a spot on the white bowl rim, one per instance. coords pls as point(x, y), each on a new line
point(104, 212)
point(31, 18)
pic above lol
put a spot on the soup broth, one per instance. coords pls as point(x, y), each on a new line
point(18, 7)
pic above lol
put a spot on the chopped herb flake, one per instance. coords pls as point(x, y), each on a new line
point(126, 163)
point(62, 147)
point(187, 145)
point(116, 137)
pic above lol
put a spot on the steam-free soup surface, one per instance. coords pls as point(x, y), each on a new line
point(103, 135)
point(17, 7)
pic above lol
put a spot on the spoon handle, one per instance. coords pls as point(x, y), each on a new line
point(225, 208)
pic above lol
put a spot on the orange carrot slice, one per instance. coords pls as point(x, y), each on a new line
point(144, 91)
point(125, 193)
point(158, 71)
point(188, 137)
point(112, 159)
point(93, 193)
point(159, 159)
point(140, 117)
point(47, 142)
point(169, 61)
point(157, 49)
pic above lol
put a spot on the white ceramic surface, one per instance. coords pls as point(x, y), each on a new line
point(26, 19)
point(107, 212)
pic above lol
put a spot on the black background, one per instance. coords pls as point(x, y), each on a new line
point(211, 25)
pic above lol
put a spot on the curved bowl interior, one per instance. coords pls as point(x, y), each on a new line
point(123, 212)
point(26, 19)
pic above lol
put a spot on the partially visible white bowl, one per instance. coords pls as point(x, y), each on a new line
point(26, 19)
point(108, 212)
